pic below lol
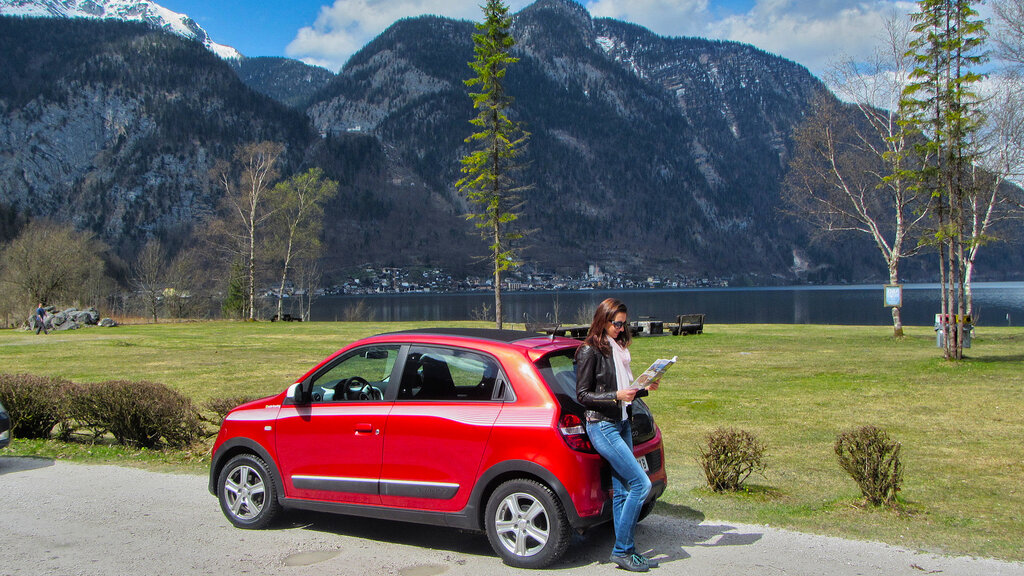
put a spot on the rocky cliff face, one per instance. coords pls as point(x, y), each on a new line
point(115, 126)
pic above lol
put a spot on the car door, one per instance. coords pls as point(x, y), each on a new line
point(447, 402)
point(329, 445)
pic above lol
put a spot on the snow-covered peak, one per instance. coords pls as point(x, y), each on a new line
point(128, 10)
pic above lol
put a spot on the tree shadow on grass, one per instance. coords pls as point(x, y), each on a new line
point(1009, 359)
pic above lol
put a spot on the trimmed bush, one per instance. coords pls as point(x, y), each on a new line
point(35, 403)
point(729, 457)
point(142, 414)
point(873, 460)
point(221, 406)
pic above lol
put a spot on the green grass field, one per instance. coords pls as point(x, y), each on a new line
point(795, 387)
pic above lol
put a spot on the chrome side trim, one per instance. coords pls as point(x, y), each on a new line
point(335, 484)
point(411, 489)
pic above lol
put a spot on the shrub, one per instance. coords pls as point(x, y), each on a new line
point(143, 414)
point(730, 457)
point(221, 406)
point(873, 460)
point(35, 403)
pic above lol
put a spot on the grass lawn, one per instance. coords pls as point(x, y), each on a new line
point(794, 387)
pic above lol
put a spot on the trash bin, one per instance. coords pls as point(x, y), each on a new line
point(940, 331)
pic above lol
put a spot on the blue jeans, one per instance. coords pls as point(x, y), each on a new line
point(630, 484)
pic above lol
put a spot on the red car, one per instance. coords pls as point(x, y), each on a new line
point(473, 429)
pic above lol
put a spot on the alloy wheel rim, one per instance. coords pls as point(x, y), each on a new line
point(244, 492)
point(521, 524)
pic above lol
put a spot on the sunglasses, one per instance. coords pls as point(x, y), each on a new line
point(618, 323)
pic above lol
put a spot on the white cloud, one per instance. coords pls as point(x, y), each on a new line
point(811, 32)
point(344, 27)
point(665, 17)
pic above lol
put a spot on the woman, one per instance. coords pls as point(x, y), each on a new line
point(603, 378)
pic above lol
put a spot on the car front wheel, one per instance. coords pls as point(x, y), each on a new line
point(526, 524)
point(246, 492)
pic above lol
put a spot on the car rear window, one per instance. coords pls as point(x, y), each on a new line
point(559, 372)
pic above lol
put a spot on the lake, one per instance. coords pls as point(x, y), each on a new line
point(996, 304)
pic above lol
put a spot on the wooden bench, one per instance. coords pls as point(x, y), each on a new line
point(687, 324)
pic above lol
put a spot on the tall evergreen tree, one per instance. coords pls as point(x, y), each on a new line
point(488, 182)
point(940, 102)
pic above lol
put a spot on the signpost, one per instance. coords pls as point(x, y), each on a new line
point(893, 296)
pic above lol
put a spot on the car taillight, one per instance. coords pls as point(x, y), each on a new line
point(574, 432)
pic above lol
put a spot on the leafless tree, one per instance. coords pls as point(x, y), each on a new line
point(996, 197)
point(1009, 30)
point(52, 263)
point(148, 277)
point(847, 173)
point(308, 276)
point(181, 297)
point(246, 183)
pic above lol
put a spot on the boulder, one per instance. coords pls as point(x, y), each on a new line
point(68, 324)
point(70, 319)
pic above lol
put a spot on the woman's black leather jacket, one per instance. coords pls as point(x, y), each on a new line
point(596, 385)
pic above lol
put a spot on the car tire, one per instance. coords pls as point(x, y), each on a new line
point(526, 524)
point(248, 497)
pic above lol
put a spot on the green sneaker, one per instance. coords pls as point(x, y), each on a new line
point(633, 562)
point(651, 563)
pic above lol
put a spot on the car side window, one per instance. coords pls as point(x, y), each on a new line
point(433, 373)
point(361, 375)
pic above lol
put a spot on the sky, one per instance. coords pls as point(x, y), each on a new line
point(327, 32)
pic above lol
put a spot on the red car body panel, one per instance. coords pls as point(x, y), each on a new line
point(427, 456)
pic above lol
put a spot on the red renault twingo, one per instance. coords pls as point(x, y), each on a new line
point(474, 429)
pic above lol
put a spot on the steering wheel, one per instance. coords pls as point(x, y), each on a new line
point(359, 389)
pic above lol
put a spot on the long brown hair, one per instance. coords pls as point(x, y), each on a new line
point(603, 316)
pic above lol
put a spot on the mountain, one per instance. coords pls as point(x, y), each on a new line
point(122, 10)
point(288, 81)
point(115, 126)
point(646, 153)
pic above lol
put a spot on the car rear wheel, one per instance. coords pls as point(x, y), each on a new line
point(526, 524)
point(246, 492)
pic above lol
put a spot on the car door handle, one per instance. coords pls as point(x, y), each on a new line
point(364, 428)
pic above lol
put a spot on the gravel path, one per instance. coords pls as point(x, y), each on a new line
point(69, 519)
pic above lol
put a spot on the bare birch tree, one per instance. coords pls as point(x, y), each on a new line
point(246, 184)
point(848, 171)
point(996, 197)
point(1009, 30)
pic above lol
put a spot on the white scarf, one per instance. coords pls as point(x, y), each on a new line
point(623, 372)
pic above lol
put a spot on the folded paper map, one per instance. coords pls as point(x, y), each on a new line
point(654, 372)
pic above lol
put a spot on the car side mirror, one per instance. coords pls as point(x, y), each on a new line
point(304, 392)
